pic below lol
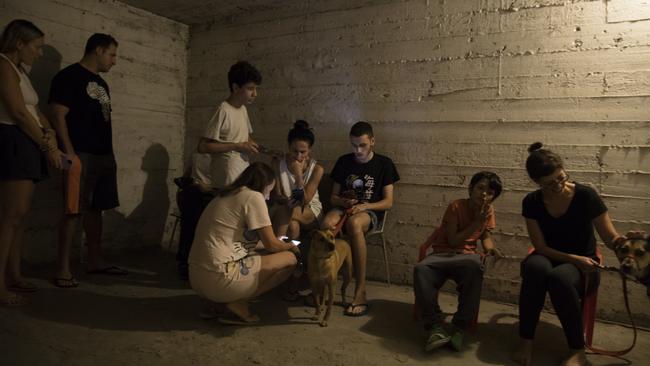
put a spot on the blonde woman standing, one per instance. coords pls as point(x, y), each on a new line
point(27, 145)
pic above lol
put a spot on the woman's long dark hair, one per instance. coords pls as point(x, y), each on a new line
point(256, 177)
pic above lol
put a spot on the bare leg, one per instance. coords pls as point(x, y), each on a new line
point(92, 222)
point(15, 200)
point(276, 268)
point(280, 219)
point(356, 227)
point(300, 217)
point(67, 228)
point(13, 272)
point(331, 219)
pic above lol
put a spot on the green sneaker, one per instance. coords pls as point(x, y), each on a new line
point(456, 341)
point(436, 338)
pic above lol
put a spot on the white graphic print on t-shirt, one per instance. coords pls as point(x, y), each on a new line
point(97, 92)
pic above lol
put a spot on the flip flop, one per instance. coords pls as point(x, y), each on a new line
point(14, 301)
point(235, 320)
point(349, 311)
point(63, 282)
point(111, 271)
point(22, 286)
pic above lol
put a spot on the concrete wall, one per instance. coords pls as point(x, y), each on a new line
point(148, 100)
point(452, 87)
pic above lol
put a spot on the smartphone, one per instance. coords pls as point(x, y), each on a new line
point(286, 240)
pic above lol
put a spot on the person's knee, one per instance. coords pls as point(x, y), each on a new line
point(419, 270)
point(329, 220)
point(15, 217)
point(535, 267)
point(558, 281)
point(290, 261)
point(474, 270)
point(354, 225)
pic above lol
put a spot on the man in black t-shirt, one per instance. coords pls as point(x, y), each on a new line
point(81, 114)
point(363, 183)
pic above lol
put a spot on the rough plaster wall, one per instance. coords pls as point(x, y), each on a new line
point(148, 100)
point(453, 87)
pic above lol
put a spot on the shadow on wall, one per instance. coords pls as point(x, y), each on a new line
point(43, 72)
point(145, 225)
point(45, 212)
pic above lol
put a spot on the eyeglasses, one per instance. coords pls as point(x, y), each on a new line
point(560, 180)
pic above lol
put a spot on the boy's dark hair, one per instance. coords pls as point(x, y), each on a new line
point(302, 132)
point(361, 128)
point(99, 40)
point(494, 182)
point(542, 162)
point(241, 73)
point(256, 177)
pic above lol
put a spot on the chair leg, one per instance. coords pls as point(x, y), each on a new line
point(383, 247)
point(589, 316)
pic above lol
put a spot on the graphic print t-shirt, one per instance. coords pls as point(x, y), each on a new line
point(88, 99)
point(365, 181)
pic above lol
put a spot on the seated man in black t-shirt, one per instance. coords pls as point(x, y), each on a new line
point(363, 183)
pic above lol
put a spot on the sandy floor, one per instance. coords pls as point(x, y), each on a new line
point(150, 318)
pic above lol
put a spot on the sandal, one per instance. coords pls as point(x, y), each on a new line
point(14, 301)
point(22, 286)
point(349, 311)
point(63, 282)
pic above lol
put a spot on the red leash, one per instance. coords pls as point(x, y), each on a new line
point(344, 218)
point(588, 340)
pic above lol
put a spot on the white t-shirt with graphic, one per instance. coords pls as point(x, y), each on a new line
point(228, 125)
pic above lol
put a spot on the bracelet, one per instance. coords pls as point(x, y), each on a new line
point(46, 148)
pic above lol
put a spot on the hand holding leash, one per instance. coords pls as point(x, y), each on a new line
point(585, 264)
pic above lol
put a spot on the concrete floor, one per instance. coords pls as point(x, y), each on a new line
point(150, 318)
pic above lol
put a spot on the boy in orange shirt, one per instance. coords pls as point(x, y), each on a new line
point(454, 256)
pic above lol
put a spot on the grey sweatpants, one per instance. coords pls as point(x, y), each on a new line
point(431, 273)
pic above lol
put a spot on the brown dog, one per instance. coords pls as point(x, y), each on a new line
point(326, 256)
point(634, 255)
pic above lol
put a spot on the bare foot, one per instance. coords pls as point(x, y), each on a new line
point(577, 358)
point(524, 354)
point(240, 308)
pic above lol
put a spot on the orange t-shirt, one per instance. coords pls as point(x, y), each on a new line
point(464, 216)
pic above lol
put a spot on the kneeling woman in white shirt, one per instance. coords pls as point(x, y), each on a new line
point(224, 266)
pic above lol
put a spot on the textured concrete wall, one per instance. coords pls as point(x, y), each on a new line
point(453, 87)
point(148, 100)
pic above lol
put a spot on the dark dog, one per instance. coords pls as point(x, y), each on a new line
point(326, 256)
point(634, 256)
